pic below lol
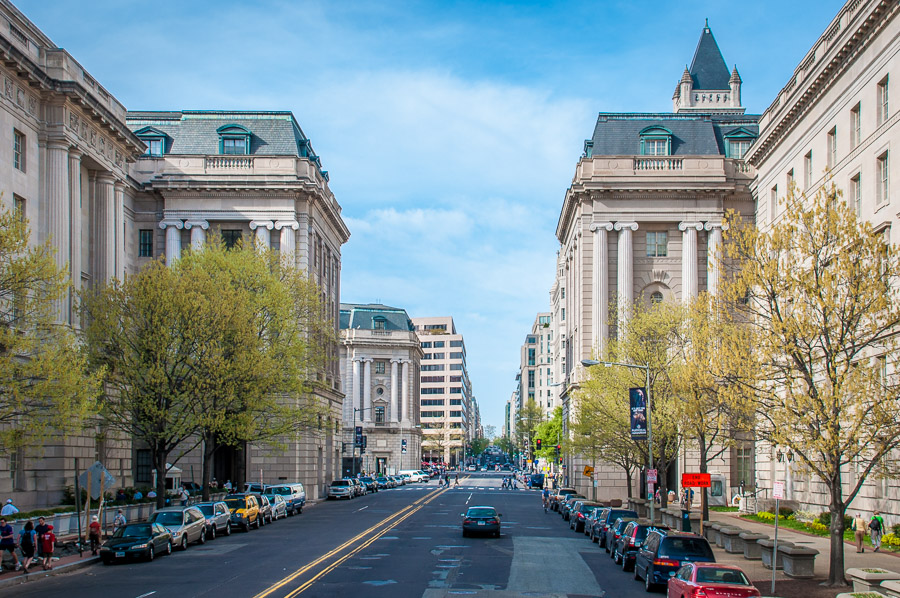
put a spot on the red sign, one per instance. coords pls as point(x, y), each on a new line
point(695, 480)
point(651, 476)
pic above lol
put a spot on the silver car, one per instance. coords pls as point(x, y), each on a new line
point(279, 506)
point(186, 524)
point(217, 518)
point(341, 489)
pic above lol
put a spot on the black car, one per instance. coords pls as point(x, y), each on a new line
point(579, 513)
point(481, 520)
point(605, 520)
point(614, 531)
point(136, 540)
point(370, 483)
point(630, 540)
point(566, 505)
point(665, 551)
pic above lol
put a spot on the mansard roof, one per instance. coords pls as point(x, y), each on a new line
point(691, 134)
point(708, 69)
point(197, 132)
point(363, 317)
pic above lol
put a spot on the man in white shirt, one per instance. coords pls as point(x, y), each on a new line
point(9, 508)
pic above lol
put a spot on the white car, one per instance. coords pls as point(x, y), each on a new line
point(341, 489)
point(414, 475)
point(471, 468)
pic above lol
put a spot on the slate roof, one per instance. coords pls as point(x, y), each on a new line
point(363, 317)
point(193, 132)
point(708, 69)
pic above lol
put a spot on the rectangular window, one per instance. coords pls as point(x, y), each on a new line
point(456, 414)
point(563, 317)
point(432, 402)
point(832, 147)
point(855, 125)
point(773, 201)
point(433, 368)
point(742, 472)
point(19, 150)
point(789, 179)
point(437, 355)
point(656, 147)
point(145, 242)
point(456, 343)
point(883, 112)
point(455, 390)
point(531, 357)
point(657, 244)
point(379, 414)
point(143, 467)
point(431, 414)
point(19, 205)
point(456, 366)
point(234, 146)
point(379, 366)
point(230, 238)
point(432, 391)
point(882, 180)
point(426, 345)
point(738, 149)
point(455, 378)
point(455, 402)
point(438, 344)
point(807, 170)
point(530, 378)
point(154, 147)
point(856, 194)
point(432, 378)
point(456, 356)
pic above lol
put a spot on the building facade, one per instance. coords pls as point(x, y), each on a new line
point(446, 394)
point(380, 366)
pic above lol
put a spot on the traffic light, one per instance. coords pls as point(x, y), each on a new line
point(538, 443)
point(558, 448)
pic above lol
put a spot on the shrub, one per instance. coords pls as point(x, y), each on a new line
point(785, 512)
point(895, 529)
point(891, 539)
point(825, 519)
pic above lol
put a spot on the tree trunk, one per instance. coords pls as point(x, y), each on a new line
point(836, 558)
point(704, 467)
point(240, 466)
point(159, 463)
point(209, 449)
point(628, 476)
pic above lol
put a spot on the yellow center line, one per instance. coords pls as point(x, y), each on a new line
point(280, 584)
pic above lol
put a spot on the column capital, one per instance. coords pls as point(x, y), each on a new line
point(106, 178)
point(596, 226)
point(396, 360)
point(267, 224)
point(626, 225)
point(167, 223)
point(279, 224)
point(683, 226)
point(58, 144)
point(711, 225)
point(75, 153)
point(204, 224)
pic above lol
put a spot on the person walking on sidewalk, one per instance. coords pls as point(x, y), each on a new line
point(8, 541)
point(27, 543)
point(94, 535)
point(859, 530)
point(39, 530)
point(48, 545)
point(876, 529)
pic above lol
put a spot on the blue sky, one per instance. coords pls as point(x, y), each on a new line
point(450, 129)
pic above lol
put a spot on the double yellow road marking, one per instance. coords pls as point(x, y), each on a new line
point(366, 537)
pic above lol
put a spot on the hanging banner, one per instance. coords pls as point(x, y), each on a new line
point(638, 401)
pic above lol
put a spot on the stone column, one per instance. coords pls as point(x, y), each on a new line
point(689, 284)
point(625, 272)
point(105, 246)
point(262, 228)
point(58, 207)
point(173, 239)
point(120, 229)
point(600, 303)
point(75, 266)
point(354, 392)
point(367, 390)
point(714, 255)
point(405, 409)
point(198, 230)
point(288, 241)
point(395, 395)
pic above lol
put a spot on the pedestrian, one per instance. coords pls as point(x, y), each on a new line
point(138, 495)
point(859, 530)
point(441, 482)
point(227, 485)
point(184, 496)
point(8, 541)
point(121, 496)
point(94, 535)
point(27, 544)
point(9, 508)
point(457, 480)
point(48, 545)
point(876, 529)
point(119, 521)
point(39, 530)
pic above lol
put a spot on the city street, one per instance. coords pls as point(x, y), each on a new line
point(404, 542)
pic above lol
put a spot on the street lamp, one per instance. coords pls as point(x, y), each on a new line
point(589, 362)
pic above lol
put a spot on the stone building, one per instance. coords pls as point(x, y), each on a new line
point(380, 365)
point(644, 214)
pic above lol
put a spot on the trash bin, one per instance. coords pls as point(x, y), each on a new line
point(685, 520)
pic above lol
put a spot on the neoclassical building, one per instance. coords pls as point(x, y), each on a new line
point(380, 363)
point(643, 216)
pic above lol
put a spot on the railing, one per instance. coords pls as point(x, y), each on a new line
point(657, 164)
point(378, 332)
point(741, 166)
point(229, 162)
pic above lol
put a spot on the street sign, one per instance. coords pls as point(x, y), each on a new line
point(97, 473)
point(588, 471)
point(778, 490)
point(403, 446)
point(695, 480)
point(651, 476)
point(358, 435)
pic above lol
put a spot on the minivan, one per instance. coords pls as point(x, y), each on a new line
point(415, 475)
point(665, 551)
point(294, 496)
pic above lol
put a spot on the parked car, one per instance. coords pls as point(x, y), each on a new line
point(265, 508)
point(254, 487)
point(370, 483)
point(217, 518)
point(341, 489)
point(414, 475)
point(244, 511)
point(607, 519)
point(614, 531)
point(186, 524)
point(568, 503)
point(279, 505)
point(294, 496)
point(471, 468)
point(358, 487)
point(710, 579)
point(580, 510)
point(664, 552)
point(136, 541)
point(407, 478)
point(382, 483)
point(481, 520)
point(630, 541)
point(589, 522)
point(557, 496)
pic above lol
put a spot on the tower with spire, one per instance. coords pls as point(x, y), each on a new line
point(706, 86)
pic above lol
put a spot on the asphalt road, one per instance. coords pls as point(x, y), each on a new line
point(399, 543)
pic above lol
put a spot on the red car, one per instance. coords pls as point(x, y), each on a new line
point(710, 580)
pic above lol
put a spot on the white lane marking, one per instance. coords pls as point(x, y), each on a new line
point(147, 594)
point(468, 499)
point(358, 510)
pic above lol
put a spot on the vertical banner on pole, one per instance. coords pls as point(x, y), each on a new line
point(638, 404)
point(777, 494)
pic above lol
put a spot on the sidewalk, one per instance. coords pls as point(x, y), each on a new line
point(65, 564)
point(762, 577)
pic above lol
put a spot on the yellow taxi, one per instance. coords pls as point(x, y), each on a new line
point(244, 511)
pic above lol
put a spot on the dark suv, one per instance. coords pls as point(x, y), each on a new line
point(605, 520)
point(630, 540)
point(665, 551)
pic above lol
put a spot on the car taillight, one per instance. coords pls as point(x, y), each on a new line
point(468, 521)
point(631, 541)
point(616, 536)
point(699, 593)
point(666, 563)
point(580, 516)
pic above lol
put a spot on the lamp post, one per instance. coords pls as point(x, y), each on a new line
point(589, 362)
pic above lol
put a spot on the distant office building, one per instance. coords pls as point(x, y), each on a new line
point(536, 367)
point(380, 361)
point(446, 394)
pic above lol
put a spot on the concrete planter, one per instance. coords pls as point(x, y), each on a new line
point(731, 540)
point(869, 579)
point(639, 506)
point(858, 594)
point(724, 531)
point(766, 553)
point(752, 550)
point(891, 587)
point(799, 561)
point(712, 532)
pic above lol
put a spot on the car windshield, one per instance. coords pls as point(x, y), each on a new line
point(717, 575)
point(168, 518)
point(235, 503)
point(133, 531)
point(481, 512)
point(616, 513)
point(675, 547)
point(643, 530)
point(340, 483)
point(589, 508)
point(282, 490)
point(207, 510)
point(271, 497)
point(366, 479)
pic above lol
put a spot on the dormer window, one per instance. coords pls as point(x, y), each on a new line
point(154, 139)
point(234, 140)
point(738, 142)
point(656, 141)
point(378, 322)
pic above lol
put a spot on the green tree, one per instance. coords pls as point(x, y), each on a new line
point(477, 446)
point(819, 289)
point(505, 444)
point(527, 421)
point(47, 387)
point(550, 433)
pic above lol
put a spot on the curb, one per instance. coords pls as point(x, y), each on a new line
point(17, 578)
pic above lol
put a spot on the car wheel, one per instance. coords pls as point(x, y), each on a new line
point(497, 534)
point(465, 534)
point(300, 510)
point(247, 527)
point(184, 542)
point(260, 521)
point(169, 547)
point(227, 529)
point(202, 538)
point(212, 532)
point(648, 585)
point(107, 561)
point(150, 554)
point(624, 563)
point(637, 576)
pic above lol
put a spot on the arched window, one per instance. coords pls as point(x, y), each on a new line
point(656, 141)
point(378, 322)
point(656, 297)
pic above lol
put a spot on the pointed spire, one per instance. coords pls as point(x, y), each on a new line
point(735, 77)
point(677, 93)
point(686, 75)
point(708, 69)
